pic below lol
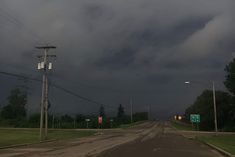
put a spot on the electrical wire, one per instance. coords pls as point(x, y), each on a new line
point(54, 85)
point(15, 21)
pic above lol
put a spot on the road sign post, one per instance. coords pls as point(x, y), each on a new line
point(111, 123)
point(195, 118)
point(87, 123)
point(100, 121)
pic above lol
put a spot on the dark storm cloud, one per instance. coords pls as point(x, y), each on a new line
point(118, 49)
point(145, 38)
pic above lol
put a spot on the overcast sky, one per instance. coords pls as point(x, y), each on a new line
point(110, 50)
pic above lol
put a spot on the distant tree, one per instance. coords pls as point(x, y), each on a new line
point(66, 118)
point(15, 109)
point(189, 111)
point(34, 120)
point(66, 121)
point(121, 111)
point(140, 116)
point(230, 77)
point(204, 106)
point(102, 111)
point(80, 118)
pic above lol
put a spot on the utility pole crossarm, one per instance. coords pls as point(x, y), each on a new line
point(45, 47)
point(41, 56)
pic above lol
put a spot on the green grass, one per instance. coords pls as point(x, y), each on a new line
point(181, 126)
point(20, 136)
point(225, 142)
point(124, 126)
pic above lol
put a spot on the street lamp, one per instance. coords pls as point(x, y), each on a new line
point(214, 102)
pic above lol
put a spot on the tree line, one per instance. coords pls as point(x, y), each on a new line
point(225, 103)
point(14, 114)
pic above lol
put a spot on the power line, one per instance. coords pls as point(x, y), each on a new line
point(53, 85)
point(12, 19)
point(6, 15)
point(74, 94)
point(110, 109)
point(19, 76)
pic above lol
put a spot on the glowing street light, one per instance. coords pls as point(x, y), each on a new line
point(214, 101)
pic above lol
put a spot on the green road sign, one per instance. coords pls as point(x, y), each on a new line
point(195, 118)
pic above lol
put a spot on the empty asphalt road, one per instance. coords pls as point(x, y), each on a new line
point(81, 147)
point(149, 139)
point(162, 141)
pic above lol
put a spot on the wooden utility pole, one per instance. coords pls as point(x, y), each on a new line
point(149, 112)
point(131, 103)
point(44, 65)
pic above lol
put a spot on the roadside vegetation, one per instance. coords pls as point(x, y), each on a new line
point(181, 125)
point(22, 136)
point(225, 142)
point(13, 114)
point(203, 105)
point(16, 127)
point(225, 103)
point(131, 124)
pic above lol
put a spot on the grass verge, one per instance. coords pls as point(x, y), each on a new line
point(21, 136)
point(225, 142)
point(124, 126)
point(181, 126)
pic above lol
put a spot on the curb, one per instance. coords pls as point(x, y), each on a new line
point(27, 144)
point(227, 154)
point(219, 149)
